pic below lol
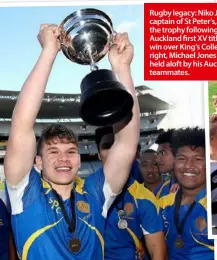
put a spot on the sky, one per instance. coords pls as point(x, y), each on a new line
point(19, 51)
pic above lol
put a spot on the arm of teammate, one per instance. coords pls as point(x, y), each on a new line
point(156, 246)
point(174, 188)
point(12, 248)
point(151, 223)
point(22, 143)
point(141, 250)
point(123, 151)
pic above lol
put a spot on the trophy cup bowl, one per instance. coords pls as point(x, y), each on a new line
point(86, 36)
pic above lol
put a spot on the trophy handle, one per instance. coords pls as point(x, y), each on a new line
point(111, 42)
point(114, 33)
point(61, 37)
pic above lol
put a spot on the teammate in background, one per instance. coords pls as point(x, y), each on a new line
point(7, 248)
point(135, 171)
point(213, 170)
point(165, 160)
point(165, 156)
point(214, 102)
point(213, 143)
point(105, 137)
point(185, 212)
point(59, 216)
point(132, 217)
point(149, 170)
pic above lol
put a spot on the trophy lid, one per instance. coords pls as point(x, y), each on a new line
point(84, 14)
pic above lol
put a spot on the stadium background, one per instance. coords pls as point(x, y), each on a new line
point(64, 108)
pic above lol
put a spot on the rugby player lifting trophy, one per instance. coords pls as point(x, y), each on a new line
point(86, 37)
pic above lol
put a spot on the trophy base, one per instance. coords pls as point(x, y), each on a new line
point(104, 100)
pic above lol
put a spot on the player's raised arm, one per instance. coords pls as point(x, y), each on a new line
point(21, 144)
point(123, 151)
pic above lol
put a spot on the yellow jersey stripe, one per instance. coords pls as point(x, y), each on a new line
point(201, 243)
point(139, 192)
point(46, 185)
point(79, 185)
point(134, 237)
point(33, 237)
point(167, 200)
point(98, 234)
point(159, 192)
point(203, 202)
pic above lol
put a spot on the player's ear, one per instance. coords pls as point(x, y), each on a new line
point(38, 162)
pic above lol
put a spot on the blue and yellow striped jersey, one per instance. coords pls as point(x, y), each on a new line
point(195, 233)
point(40, 229)
point(163, 189)
point(4, 231)
point(142, 216)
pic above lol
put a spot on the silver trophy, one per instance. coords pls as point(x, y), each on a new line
point(86, 36)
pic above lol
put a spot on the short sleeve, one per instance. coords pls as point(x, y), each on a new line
point(150, 218)
point(25, 193)
point(96, 185)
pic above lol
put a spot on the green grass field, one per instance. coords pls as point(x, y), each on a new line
point(212, 91)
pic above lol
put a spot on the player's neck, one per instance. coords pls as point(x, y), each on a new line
point(189, 195)
point(63, 190)
point(152, 186)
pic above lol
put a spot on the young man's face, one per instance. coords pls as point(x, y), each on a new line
point(190, 167)
point(148, 168)
point(105, 144)
point(59, 162)
point(165, 158)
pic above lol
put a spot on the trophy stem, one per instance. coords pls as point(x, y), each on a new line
point(93, 67)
